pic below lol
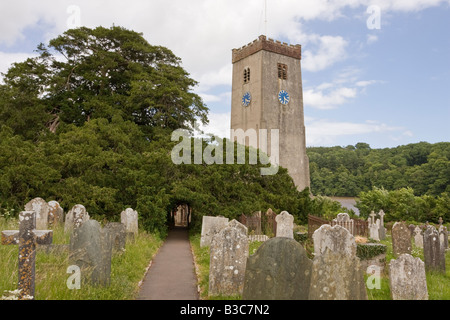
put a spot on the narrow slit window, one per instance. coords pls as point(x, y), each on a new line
point(282, 71)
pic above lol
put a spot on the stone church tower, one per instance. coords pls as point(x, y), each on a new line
point(267, 94)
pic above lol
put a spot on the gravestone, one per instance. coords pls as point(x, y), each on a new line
point(337, 276)
point(344, 220)
point(418, 237)
point(270, 225)
point(443, 237)
point(407, 278)
point(118, 233)
point(401, 239)
point(228, 258)
point(381, 227)
point(374, 230)
point(55, 213)
point(336, 272)
point(211, 226)
point(285, 225)
point(27, 238)
point(336, 239)
point(129, 218)
point(433, 255)
point(40, 206)
point(75, 217)
point(91, 250)
point(278, 270)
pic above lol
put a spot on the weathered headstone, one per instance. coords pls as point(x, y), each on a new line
point(27, 238)
point(118, 233)
point(270, 226)
point(279, 270)
point(75, 217)
point(336, 239)
point(433, 255)
point(129, 218)
point(285, 225)
point(91, 250)
point(373, 227)
point(337, 276)
point(336, 270)
point(211, 226)
point(407, 278)
point(344, 220)
point(381, 227)
point(418, 237)
point(55, 213)
point(228, 258)
point(40, 206)
point(401, 239)
point(443, 237)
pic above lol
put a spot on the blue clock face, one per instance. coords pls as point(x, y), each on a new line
point(246, 98)
point(283, 97)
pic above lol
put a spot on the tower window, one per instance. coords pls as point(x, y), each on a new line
point(246, 75)
point(282, 71)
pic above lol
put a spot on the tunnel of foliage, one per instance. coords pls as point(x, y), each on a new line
point(89, 120)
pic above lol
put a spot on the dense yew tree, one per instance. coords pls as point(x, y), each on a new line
point(86, 74)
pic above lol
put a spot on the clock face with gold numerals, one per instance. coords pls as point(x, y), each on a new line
point(246, 98)
point(283, 97)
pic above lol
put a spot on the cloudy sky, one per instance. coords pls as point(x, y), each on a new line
point(374, 71)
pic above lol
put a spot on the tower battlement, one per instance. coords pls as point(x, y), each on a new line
point(262, 43)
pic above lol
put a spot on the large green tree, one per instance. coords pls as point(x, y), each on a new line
point(86, 74)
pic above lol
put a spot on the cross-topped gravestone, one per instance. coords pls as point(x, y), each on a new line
point(27, 237)
point(373, 227)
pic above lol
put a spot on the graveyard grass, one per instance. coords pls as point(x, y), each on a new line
point(127, 269)
point(438, 284)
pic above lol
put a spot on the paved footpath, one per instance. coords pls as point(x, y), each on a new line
point(172, 273)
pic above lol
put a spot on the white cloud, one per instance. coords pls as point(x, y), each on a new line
point(219, 125)
point(329, 50)
point(7, 59)
point(324, 132)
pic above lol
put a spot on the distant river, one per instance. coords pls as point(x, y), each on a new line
point(347, 202)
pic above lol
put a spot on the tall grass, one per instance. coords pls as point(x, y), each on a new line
point(127, 269)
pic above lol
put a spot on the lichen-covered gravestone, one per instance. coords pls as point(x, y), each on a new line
point(211, 226)
point(279, 270)
point(91, 250)
point(407, 278)
point(27, 238)
point(285, 225)
point(40, 206)
point(401, 239)
point(55, 213)
point(418, 237)
point(336, 270)
point(129, 218)
point(228, 258)
point(433, 255)
point(75, 217)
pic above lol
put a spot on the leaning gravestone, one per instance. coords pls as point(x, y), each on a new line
point(75, 217)
point(401, 239)
point(228, 258)
point(211, 226)
point(91, 250)
point(336, 270)
point(418, 237)
point(285, 225)
point(434, 256)
point(118, 233)
point(407, 278)
point(55, 213)
point(40, 206)
point(278, 270)
point(129, 218)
